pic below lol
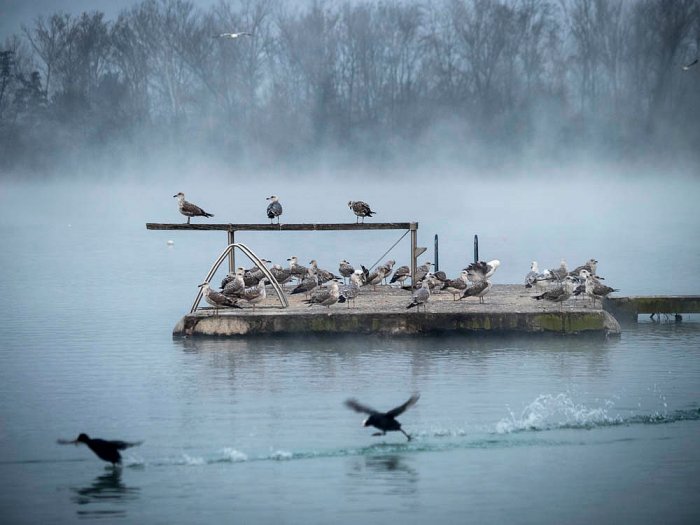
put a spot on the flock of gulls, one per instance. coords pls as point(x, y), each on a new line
point(325, 288)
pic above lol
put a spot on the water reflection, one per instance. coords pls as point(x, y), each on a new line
point(391, 474)
point(105, 497)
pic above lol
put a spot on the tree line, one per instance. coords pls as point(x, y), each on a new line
point(371, 79)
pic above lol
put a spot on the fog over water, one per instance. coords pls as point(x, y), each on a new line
point(567, 130)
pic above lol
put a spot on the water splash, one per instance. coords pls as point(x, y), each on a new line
point(557, 411)
point(233, 455)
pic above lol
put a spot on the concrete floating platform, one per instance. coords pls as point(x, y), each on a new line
point(509, 309)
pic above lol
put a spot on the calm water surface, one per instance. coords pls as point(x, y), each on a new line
point(516, 430)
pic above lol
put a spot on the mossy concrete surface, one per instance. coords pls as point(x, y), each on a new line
point(507, 309)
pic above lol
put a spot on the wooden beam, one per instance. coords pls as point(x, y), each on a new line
point(285, 227)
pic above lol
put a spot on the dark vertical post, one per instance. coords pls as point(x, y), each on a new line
point(414, 246)
point(232, 254)
point(437, 254)
point(476, 248)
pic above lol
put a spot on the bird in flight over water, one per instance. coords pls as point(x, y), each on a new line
point(103, 449)
point(384, 421)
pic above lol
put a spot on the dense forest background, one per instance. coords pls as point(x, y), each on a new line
point(483, 81)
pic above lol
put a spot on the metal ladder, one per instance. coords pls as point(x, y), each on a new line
point(252, 257)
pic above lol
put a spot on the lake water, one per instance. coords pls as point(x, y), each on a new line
point(507, 430)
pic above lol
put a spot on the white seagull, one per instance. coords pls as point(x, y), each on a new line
point(233, 36)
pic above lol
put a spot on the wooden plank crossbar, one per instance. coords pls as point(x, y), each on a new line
point(286, 227)
point(342, 226)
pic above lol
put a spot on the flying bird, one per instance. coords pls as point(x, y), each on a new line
point(384, 421)
point(188, 209)
point(274, 209)
point(103, 449)
point(361, 209)
point(691, 64)
point(233, 36)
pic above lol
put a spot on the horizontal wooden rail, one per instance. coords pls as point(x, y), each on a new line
point(286, 227)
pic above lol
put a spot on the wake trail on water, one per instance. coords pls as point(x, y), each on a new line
point(529, 428)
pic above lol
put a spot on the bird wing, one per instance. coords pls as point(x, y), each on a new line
point(192, 208)
point(358, 407)
point(121, 445)
point(394, 412)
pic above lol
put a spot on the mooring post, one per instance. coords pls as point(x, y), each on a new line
point(414, 246)
point(437, 254)
point(476, 248)
point(232, 254)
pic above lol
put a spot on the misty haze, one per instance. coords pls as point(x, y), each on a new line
point(552, 129)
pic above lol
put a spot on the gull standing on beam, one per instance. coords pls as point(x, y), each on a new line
point(233, 36)
point(188, 209)
point(217, 299)
point(361, 209)
point(420, 296)
point(274, 209)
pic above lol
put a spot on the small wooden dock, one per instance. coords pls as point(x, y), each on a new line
point(627, 309)
point(508, 309)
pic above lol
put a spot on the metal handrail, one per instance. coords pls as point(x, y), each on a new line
point(252, 257)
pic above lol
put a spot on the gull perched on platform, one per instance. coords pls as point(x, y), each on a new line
point(350, 291)
point(478, 289)
point(325, 296)
point(233, 287)
point(594, 288)
point(401, 274)
point(480, 270)
point(346, 269)
point(456, 286)
point(309, 283)
point(361, 209)
point(274, 209)
point(558, 294)
point(590, 266)
point(188, 209)
point(297, 269)
point(255, 294)
point(384, 421)
point(281, 275)
point(233, 36)
point(420, 296)
point(104, 449)
point(217, 299)
point(323, 275)
point(373, 278)
point(558, 274)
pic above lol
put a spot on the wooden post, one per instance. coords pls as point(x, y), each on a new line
point(232, 254)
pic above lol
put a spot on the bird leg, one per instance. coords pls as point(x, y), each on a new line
point(404, 433)
point(188, 220)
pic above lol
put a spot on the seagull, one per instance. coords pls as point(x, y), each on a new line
point(255, 294)
point(480, 271)
point(323, 275)
point(103, 449)
point(233, 36)
point(217, 299)
point(531, 277)
point(350, 291)
point(594, 288)
point(456, 286)
point(478, 289)
point(401, 274)
point(274, 209)
point(325, 296)
point(591, 266)
point(281, 275)
point(387, 267)
point(560, 273)
point(188, 209)
point(384, 421)
point(691, 64)
point(234, 287)
point(361, 209)
point(375, 277)
point(309, 283)
point(559, 294)
point(346, 269)
point(420, 296)
point(298, 270)
point(421, 272)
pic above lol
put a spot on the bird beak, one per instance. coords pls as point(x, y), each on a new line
point(175, 195)
point(203, 284)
